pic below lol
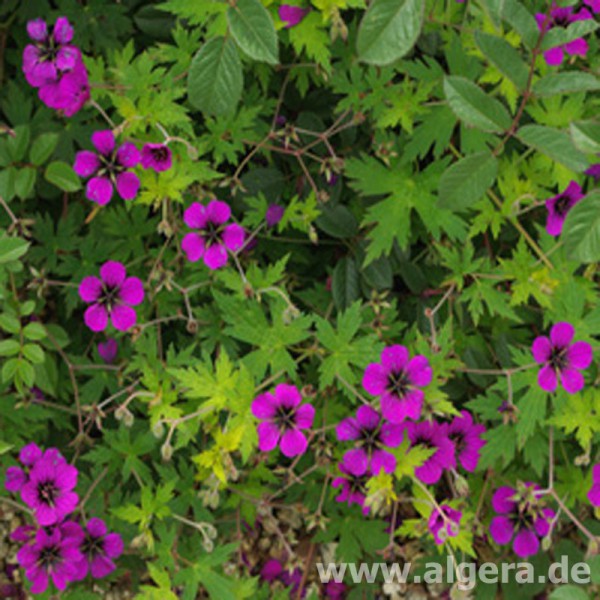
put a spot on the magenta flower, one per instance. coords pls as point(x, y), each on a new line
point(15, 479)
point(274, 214)
point(283, 417)
point(444, 522)
point(593, 4)
point(214, 237)
point(108, 168)
point(355, 470)
point(373, 436)
point(560, 205)
point(594, 493)
point(521, 516)
point(561, 358)
point(69, 93)
point(112, 296)
point(49, 490)
point(433, 436)
point(98, 549)
point(396, 380)
point(273, 570)
point(108, 350)
point(594, 170)
point(51, 54)
point(563, 17)
point(157, 157)
point(53, 555)
point(466, 437)
point(291, 15)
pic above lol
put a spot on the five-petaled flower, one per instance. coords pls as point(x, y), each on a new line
point(157, 157)
point(561, 359)
point(559, 206)
point(213, 236)
point(373, 436)
point(522, 518)
point(111, 296)
point(98, 549)
point(396, 380)
point(434, 437)
point(444, 522)
point(355, 474)
point(466, 437)
point(283, 418)
point(108, 168)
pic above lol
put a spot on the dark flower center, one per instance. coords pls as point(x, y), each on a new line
point(49, 557)
point(92, 546)
point(369, 438)
point(459, 441)
point(110, 165)
point(398, 383)
point(212, 234)
point(109, 296)
point(558, 358)
point(562, 205)
point(425, 442)
point(47, 492)
point(160, 154)
point(286, 417)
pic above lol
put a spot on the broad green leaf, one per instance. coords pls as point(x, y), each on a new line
point(389, 30)
point(516, 15)
point(62, 176)
point(24, 182)
point(564, 83)
point(581, 231)
point(9, 347)
point(467, 181)
point(558, 36)
point(508, 61)
point(43, 147)
point(215, 77)
point(12, 248)
point(252, 28)
point(472, 105)
point(554, 143)
point(344, 283)
point(337, 221)
point(586, 136)
point(569, 592)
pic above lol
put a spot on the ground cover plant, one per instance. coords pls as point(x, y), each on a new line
point(293, 284)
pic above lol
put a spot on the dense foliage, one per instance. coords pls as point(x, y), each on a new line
point(282, 285)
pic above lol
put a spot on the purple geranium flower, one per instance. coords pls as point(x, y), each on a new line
point(53, 555)
point(108, 168)
point(157, 157)
point(466, 437)
point(273, 570)
point(372, 436)
point(98, 549)
point(214, 237)
point(594, 170)
point(561, 358)
point(560, 205)
point(522, 516)
point(444, 522)
point(355, 470)
point(562, 17)
point(108, 350)
point(49, 489)
point(113, 295)
point(15, 479)
point(396, 380)
point(51, 54)
point(433, 436)
point(30, 454)
point(594, 493)
point(593, 4)
point(274, 214)
point(69, 93)
point(291, 15)
point(283, 417)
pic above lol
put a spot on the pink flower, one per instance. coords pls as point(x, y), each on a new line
point(112, 296)
point(157, 157)
point(108, 350)
point(466, 437)
point(283, 417)
point(98, 549)
point(594, 493)
point(433, 436)
point(109, 167)
point(559, 207)
point(397, 379)
point(561, 359)
point(355, 474)
point(213, 237)
point(443, 523)
point(291, 15)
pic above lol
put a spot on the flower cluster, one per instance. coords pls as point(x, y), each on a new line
point(55, 67)
point(56, 547)
point(522, 518)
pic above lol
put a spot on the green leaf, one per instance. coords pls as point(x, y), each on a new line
point(252, 28)
point(33, 353)
point(12, 248)
point(337, 221)
point(24, 182)
point(569, 592)
point(554, 143)
point(586, 136)
point(9, 347)
point(467, 181)
point(62, 176)
point(516, 15)
point(558, 36)
point(581, 231)
point(19, 142)
point(389, 30)
point(472, 105)
point(42, 148)
point(344, 283)
point(564, 83)
point(215, 77)
point(508, 61)
point(34, 331)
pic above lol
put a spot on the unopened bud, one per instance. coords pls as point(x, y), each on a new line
point(166, 451)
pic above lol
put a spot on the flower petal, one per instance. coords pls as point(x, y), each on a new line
point(215, 257)
point(233, 236)
point(561, 334)
point(526, 543)
point(264, 406)
point(347, 430)
point(367, 417)
point(131, 291)
point(580, 355)
point(104, 141)
point(99, 190)
point(195, 216)
point(90, 289)
point(193, 246)
point(419, 371)
point(268, 436)
point(96, 317)
point(128, 185)
point(547, 378)
point(293, 443)
point(123, 317)
point(305, 416)
point(382, 460)
point(394, 358)
point(113, 273)
point(86, 163)
point(572, 380)
point(541, 349)
point(501, 530)
point(128, 155)
point(218, 212)
point(375, 379)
